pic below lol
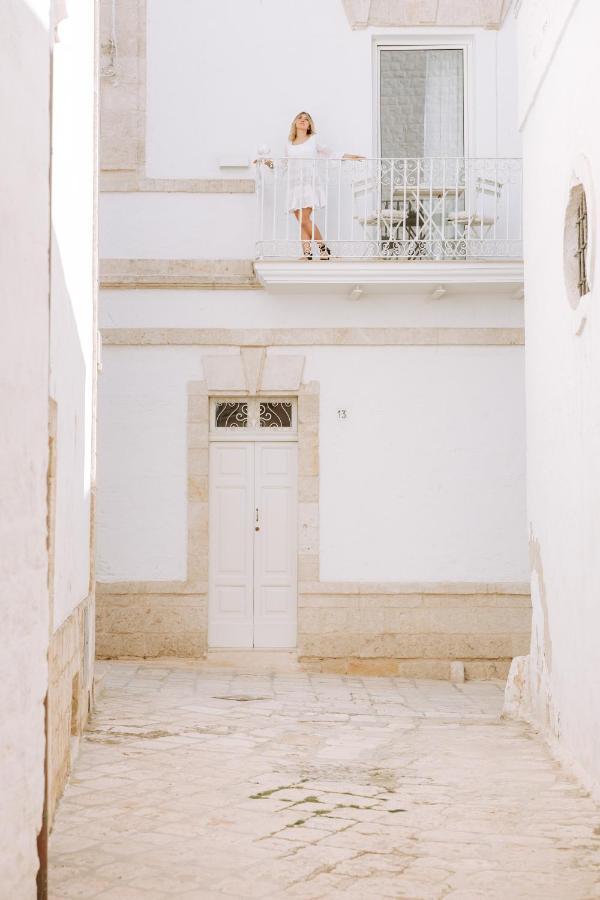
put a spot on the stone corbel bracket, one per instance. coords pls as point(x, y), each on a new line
point(357, 12)
point(251, 370)
point(400, 13)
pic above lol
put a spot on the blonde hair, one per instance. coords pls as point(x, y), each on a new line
point(293, 131)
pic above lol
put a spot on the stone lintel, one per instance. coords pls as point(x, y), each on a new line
point(282, 373)
point(224, 373)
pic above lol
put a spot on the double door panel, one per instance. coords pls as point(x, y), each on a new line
point(253, 544)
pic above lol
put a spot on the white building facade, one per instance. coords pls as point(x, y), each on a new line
point(47, 396)
point(559, 74)
point(369, 513)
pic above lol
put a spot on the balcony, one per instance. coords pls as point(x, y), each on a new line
point(418, 225)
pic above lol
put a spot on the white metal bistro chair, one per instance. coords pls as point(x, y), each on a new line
point(388, 222)
point(482, 208)
point(382, 218)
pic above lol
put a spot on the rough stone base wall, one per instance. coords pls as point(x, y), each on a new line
point(150, 625)
point(70, 686)
point(413, 635)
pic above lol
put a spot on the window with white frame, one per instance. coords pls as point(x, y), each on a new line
point(253, 414)
point(421, 101)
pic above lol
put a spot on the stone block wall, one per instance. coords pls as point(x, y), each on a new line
point(408, 631)
point(70, 689)
point(150, 624)
point(412, 631)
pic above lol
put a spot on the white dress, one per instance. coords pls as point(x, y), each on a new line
point(306, 173)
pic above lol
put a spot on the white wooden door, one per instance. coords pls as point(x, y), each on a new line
point(253, 544)
point(275, 566)
point(231, 543)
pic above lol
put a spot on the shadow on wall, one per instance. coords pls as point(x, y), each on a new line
point(71, 651)
point(71, 389)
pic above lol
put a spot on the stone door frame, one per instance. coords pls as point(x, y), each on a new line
point(249, 373)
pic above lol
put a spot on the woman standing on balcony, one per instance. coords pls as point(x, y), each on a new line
point(305, 188)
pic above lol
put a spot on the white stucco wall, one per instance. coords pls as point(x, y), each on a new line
point(261, 309)
point(224, 78)
point(178, 226)
point(560, 73)
point(72, 300)
point(142, 475)
point(424, 480)
point(24, 197)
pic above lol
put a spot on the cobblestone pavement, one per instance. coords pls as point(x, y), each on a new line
point(204, 783)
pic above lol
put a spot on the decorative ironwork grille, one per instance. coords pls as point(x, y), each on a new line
point(276, 415)
point(231, 415)
point(393, 208)
point(582, 242)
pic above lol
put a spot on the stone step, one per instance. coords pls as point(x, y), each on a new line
point(251, 661)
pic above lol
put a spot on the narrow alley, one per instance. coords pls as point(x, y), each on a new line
point(204, 783)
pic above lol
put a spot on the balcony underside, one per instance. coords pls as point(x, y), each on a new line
point(356, 277)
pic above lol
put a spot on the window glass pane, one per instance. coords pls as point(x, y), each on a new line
point(421, 103)
point(231, 415)
point(275, 415)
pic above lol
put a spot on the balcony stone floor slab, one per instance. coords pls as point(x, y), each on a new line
point(202, 783)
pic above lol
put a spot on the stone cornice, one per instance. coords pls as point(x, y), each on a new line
point(204, 274)
point(132, 182)
point(299, 337)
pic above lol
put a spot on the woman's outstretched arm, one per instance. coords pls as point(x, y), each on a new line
point(328, 153)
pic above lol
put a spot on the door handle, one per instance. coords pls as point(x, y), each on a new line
point(256, 526)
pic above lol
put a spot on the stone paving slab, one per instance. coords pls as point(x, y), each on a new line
point(201, 783)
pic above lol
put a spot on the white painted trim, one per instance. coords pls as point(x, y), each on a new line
point(409, 277)
point(286, 437)
point(428, 40)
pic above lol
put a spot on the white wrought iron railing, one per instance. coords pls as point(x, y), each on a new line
point(410, 209)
